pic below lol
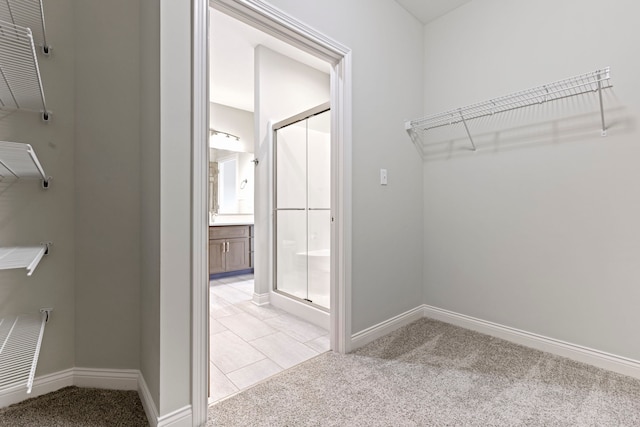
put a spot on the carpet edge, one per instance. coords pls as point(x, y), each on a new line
point(600, 359)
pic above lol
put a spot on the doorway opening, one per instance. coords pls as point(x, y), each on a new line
point(256, 80)
point(271, 21)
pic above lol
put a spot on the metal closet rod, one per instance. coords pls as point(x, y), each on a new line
point(595, 81)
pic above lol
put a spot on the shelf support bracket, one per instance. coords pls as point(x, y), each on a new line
point(604, 127)
point(46, 182)
point(415, 137)
point(46, 312)
point(464, 122)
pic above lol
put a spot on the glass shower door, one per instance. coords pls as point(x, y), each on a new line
point(302, 209)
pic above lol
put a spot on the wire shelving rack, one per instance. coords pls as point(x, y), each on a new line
point(20, 82)
point(20, 341)
point(595, 81)
point(27, 257)
point(20, 161)
point(30, 14)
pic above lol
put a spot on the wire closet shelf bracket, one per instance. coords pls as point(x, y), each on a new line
point(595, 81)
point(20, 342)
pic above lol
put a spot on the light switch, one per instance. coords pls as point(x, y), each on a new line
point(383, 177)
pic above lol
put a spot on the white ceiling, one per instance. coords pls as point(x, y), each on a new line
point(428, 10)
point(231, 71)
point(232, 43)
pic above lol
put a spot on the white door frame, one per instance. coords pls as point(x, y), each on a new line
point(265, 17)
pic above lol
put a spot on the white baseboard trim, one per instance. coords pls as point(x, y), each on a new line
point(600, 359)
point(374, 332)
point(41, 385)
point(148, 404)
point(179, 418)
point(113, 379)
point(261, 299)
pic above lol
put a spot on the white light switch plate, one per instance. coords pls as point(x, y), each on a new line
point(383, 177)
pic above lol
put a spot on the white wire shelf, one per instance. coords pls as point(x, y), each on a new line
point(20, 161)
point(29, 14)
point(20, 341)
point(27, 257)
point(595, 81)
point(20, 82)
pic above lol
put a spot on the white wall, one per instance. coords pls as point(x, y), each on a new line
point(234, 121)
point(284, 88)
point(538, 230)
point(29, 215)
point(387, 47)
point(245, 191)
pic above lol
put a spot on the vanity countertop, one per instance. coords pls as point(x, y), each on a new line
point(222, 220)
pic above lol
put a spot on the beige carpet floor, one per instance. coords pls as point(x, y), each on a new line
point(426, 374)
point(431, 373)
point(77, 407)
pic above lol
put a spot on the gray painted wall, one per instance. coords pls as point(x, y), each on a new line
point(150, 196)
point(387, 48)
point(107, 163)
point(538, 230)
point(175, 206)
point(122, 234)
point(165, 223)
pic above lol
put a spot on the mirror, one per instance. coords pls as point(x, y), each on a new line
point(230, 182)
point(227, 177)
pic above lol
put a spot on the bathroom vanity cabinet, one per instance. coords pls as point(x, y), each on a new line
point(230, 249)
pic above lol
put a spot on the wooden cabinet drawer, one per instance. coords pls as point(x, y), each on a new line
point(228, 231)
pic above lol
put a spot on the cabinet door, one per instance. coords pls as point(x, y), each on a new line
point(216, 256)
point(237, 254)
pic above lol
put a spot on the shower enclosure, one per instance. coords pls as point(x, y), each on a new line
point(302, 207)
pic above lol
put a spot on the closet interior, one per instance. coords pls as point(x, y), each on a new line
point(22, 29)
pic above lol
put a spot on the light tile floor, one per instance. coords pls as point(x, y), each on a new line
point(250, 343)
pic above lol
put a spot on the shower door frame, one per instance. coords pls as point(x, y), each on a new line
point(305, 115)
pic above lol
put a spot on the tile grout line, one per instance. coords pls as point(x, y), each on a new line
point(236, 306)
